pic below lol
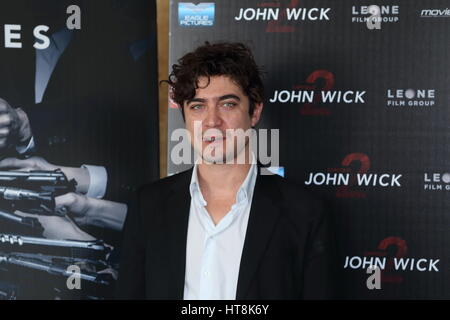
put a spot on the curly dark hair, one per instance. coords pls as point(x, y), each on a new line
point(234, 60)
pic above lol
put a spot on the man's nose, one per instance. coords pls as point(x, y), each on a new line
point(213, 118)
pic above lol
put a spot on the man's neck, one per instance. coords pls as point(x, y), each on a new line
point(224, 180)
point(221, 178)
point(219, 183)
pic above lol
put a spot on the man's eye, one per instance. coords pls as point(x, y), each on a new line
point(196, 107)
point(229, 104)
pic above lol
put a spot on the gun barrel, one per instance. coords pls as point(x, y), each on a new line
point(9, 193)
point(29, 201)
point(22, 240)
point(49, 268)
point(11, 216)
point(55, 181)
point(30, 222)
point(6, 175)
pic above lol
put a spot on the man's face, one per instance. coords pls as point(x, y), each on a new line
point(215, 109)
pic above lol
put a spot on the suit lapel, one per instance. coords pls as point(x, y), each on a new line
point(177, 219)
point(264, 214)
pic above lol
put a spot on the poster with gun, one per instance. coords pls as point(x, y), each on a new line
point(78, 135)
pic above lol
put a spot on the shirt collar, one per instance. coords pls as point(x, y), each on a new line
point(244, 193)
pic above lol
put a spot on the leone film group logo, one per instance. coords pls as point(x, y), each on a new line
point(373, 16)
point(436, 181)
point(411, 97)
point(196, 15)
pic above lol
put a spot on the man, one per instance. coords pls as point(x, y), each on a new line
point(221, 230)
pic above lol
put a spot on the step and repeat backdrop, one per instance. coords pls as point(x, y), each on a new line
point(78, 133)
point(360, 93)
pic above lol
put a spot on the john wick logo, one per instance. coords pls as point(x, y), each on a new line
point(390, 257)
point(317, 93)
point(411, 97)
point(282, 15)
point(291, 13)
point(373, 15)
point(353, 177)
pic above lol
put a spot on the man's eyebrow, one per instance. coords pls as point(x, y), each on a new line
point(195, 100)
point(227, 96)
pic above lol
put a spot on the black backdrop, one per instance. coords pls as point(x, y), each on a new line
point(402, 216)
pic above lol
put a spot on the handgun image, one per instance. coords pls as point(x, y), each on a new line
point(31, 223)
point(95, 249)
point(27, 257)
point(28, 201)
point(21, 240)
point(53, 265)
point(55, 181)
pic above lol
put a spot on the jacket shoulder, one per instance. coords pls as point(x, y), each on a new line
point(296, 199)
point(291, 190)
point(166, 184)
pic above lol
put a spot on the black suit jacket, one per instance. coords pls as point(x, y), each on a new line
point(287, 251)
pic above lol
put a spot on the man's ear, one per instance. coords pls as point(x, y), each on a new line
point(256, 113)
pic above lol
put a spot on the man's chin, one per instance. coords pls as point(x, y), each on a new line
point(219, 157)
point(208, 160)
point(229, 159)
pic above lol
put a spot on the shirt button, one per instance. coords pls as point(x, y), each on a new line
point(206, 274)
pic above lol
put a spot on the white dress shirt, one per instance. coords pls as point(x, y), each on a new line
point(98, 179)
point(213, 252)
